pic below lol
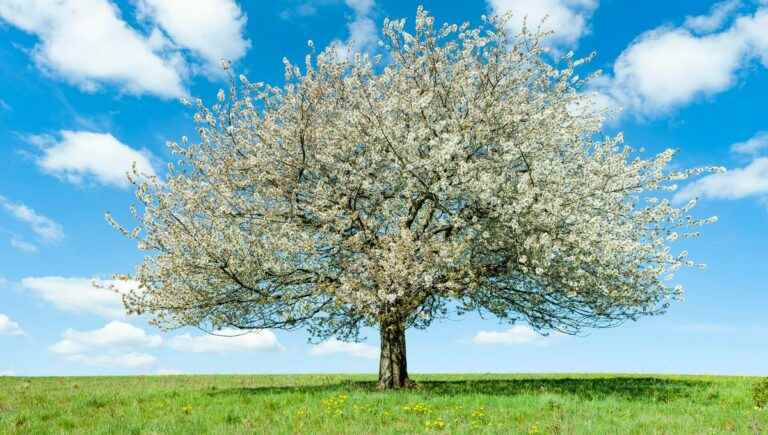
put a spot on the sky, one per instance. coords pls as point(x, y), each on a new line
point(87, 87)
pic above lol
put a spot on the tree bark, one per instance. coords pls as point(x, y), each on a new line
point(393, 369)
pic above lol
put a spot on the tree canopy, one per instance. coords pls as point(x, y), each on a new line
point(459, 169)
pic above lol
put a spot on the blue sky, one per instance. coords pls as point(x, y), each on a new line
point(89, 86)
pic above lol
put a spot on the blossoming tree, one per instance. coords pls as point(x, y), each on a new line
point(460, 171)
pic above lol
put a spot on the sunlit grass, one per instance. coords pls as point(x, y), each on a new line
point(350, 404)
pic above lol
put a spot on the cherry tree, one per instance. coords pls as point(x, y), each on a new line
point(458, 170)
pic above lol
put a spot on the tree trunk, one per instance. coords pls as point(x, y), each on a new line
point(393, 370)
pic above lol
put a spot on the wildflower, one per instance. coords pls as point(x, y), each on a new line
point(418, 408)
point(437, 424)
point(479, 412)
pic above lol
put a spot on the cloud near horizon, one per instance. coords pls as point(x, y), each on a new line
point(227, 340)
point(517, 334)
point(114, 344)
point(114, 334)
point(334, 346)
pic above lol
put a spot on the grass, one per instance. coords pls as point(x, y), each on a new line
point(350, 404)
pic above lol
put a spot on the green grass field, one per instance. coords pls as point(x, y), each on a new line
point(350, 404)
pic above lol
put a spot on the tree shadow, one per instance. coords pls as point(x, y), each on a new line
point(644, 388)
point(627, 388)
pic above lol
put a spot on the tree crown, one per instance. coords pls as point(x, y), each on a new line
point(459, 169)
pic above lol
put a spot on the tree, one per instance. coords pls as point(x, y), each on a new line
point(460, 171)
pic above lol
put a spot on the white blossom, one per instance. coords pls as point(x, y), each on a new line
point(362, 193)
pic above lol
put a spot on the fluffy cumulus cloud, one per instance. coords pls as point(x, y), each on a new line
point(114, 335)
point(44, 227)
point(113, 345)
point(568, 19)
point(517, 334)
point(748, 181)
point(362, 30)
point(362, 33)
point(751, 180)
point(110, 51)
point(227, 340)
point(179, 35)
point(79, 295)
point(212, 29)
point(9, 327)
point(334, 346)
point(85, 155)
point(669, 67)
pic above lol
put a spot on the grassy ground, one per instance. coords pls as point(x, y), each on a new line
point(350, 404)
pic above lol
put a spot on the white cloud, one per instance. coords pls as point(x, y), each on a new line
point(47, 229)
point(227, 340)
point(361, 7)
point(88, 44)
point(212, 29)
point(128, 360)
point(713, 21)
point(9, 327)
point(748, 181)
point(362, 31)
point(568, 19)
point(755, 30)
point(23, 246)
point(113, 345)
point(305, 9)
point(40, 141)
point(78, 295)
point(7, 373)
point(517, 334)
point(751, 180)
point(755, 145)
point(334, 346)
point(667, 68)
point(82, 154)
point(113, 336)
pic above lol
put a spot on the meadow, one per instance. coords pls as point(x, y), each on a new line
point(350, 404)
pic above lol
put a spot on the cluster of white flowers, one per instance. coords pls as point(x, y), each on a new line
point(367, 191)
